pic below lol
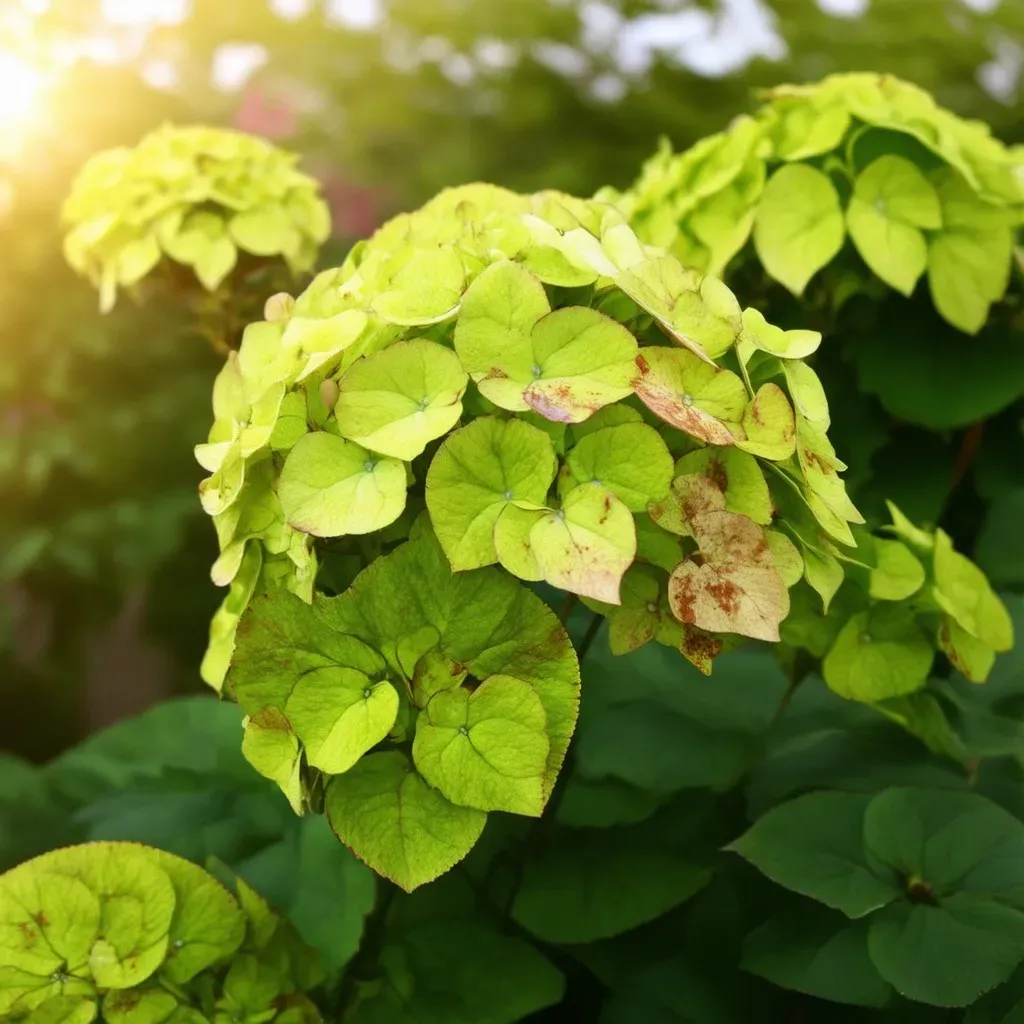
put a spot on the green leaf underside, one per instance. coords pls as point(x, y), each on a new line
point(969, 260)
point(892, 201)
point(964, 593)
point(879, 654)
point(420, 286)
point(701, 315)
point(798, 227)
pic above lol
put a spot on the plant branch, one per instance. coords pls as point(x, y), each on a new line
point(589, 637)
point(970, 446)
point(364, 964)
point(567, 606)
point(787, 699)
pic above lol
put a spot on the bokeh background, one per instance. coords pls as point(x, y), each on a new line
point(104, 552)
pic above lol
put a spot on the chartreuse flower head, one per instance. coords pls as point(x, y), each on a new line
point(916, 190)
point(124, 933)
point(492, 392)
point(208, 199)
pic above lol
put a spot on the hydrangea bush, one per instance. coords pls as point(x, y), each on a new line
point(200, 201)
point(496, 392)
point(124, 933)
point(504, 505)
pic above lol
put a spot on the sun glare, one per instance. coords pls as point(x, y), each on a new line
point(20, 86)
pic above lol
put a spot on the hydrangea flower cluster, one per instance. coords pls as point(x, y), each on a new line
point(207, 199)
point(126, 933)
point(494, 391)
point(916, 190)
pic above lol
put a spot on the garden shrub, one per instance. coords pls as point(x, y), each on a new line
point(494, 499)
point(662, 456)
point(601, 438)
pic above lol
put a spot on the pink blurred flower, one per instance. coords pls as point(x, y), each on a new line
point(356, 210)
point(260, 113)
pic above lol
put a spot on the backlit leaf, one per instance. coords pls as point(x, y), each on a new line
point(420, 286)
point(799, 225)
point(672, 295)
point(630, 460)
point(331, 487)
point(759, 334)
point(587, 545)
point(964, 593)
point(768, 427)
point(396, 401)
point(879, 654)
point(564, 365)
point(340, 713)
point(891, 201)
point(737, 475)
